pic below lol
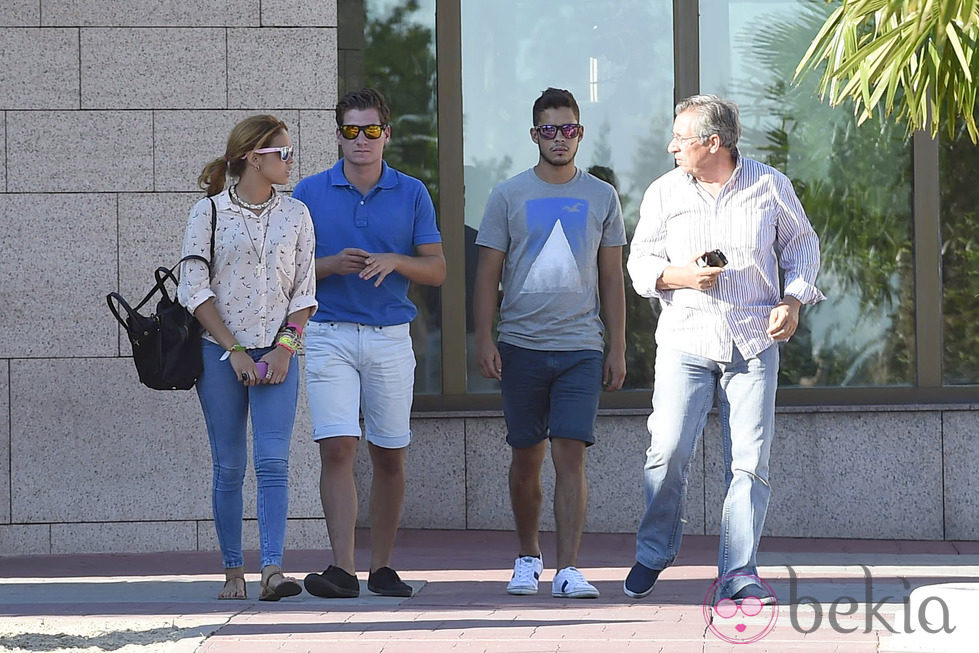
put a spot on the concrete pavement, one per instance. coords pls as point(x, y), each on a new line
point(834, 595)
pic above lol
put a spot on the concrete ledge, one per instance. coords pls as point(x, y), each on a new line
point(4, 443)
point(25, 539)
point(119, 537)
point(300, 534)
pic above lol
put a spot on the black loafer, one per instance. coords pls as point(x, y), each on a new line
point(386, 582)
point(334, 583)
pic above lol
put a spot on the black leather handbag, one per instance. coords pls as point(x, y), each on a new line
point(166, 343)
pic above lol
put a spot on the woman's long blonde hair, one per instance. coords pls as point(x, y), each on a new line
point(249, 134)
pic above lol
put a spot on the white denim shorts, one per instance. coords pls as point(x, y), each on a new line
point(356, 368)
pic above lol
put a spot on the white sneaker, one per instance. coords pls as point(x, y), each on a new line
point(570, 584)
point(526, 574)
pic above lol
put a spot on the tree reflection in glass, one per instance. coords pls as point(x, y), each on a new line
point(855, 184)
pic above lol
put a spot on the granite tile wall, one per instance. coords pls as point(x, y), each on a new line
point(186, 141)
point(134, 537)
point(457, 471)
point(300, 534)
point(3, 151)
point(108, 112)
point(263, 64)
point(40, 68)
point(849, 474)
point(25, 539)
point(101, 447)
point(143, 457)
point(149, 13)
point(614, 469)
point(435, 476)
point(58, 251)
point(960, 448)
point(154, 68)
point(151, 227)
point(288, 13)
point(94, 151)
point(20, 13)
point(319, 147)
point(4, 442)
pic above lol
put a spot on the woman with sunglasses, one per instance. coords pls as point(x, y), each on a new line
point(253, 302)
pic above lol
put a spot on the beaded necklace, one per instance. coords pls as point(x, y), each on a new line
point(233, 191)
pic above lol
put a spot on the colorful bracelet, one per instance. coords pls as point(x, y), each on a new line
point(288, 340)
point(295, 327)
point(235, 347)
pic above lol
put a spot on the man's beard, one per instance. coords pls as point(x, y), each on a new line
point(559, 162)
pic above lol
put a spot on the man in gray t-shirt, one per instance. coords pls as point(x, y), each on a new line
point(554, 235)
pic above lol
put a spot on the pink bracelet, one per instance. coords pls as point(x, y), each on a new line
point(295, 327)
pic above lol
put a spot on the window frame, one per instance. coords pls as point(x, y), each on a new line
point(928, 386)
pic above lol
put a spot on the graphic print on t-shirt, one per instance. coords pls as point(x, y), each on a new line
point(556, 229)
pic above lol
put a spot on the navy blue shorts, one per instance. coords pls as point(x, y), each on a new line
point(550, 394)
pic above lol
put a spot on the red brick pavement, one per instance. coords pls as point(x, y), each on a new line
point(461, 604)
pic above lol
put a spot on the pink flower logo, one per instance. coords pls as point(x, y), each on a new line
point(741, 622)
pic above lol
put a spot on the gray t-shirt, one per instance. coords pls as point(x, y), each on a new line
point(550, 234)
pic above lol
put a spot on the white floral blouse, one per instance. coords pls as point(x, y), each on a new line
point(263, 268)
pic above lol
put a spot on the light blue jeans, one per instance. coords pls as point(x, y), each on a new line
point(683, 395)
point(226, 403)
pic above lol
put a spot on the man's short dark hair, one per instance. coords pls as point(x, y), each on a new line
point(365, 98)
point(555, 98)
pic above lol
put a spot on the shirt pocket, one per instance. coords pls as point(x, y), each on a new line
point(749, 229)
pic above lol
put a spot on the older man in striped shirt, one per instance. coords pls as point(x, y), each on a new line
point(712, 234)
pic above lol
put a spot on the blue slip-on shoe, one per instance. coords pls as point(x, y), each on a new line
point(639, 583)
point(753, 591)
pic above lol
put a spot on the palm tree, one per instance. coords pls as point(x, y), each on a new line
point(917, 56)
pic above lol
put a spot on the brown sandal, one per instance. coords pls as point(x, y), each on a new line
point(234, 585)
point(275, 586)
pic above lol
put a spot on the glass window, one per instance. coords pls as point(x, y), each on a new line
point(616, 56)
point(398, 58)
point(959, 159)
point(855, 184)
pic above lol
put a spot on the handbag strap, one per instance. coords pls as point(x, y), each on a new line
point(161, 274)
point(195, 257)
point(122, 302)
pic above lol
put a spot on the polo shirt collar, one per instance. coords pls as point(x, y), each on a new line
point(388, 180)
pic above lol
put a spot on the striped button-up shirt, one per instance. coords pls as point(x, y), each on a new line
point(758, 223)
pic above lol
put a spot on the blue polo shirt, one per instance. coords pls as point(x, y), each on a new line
point(394, 216)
